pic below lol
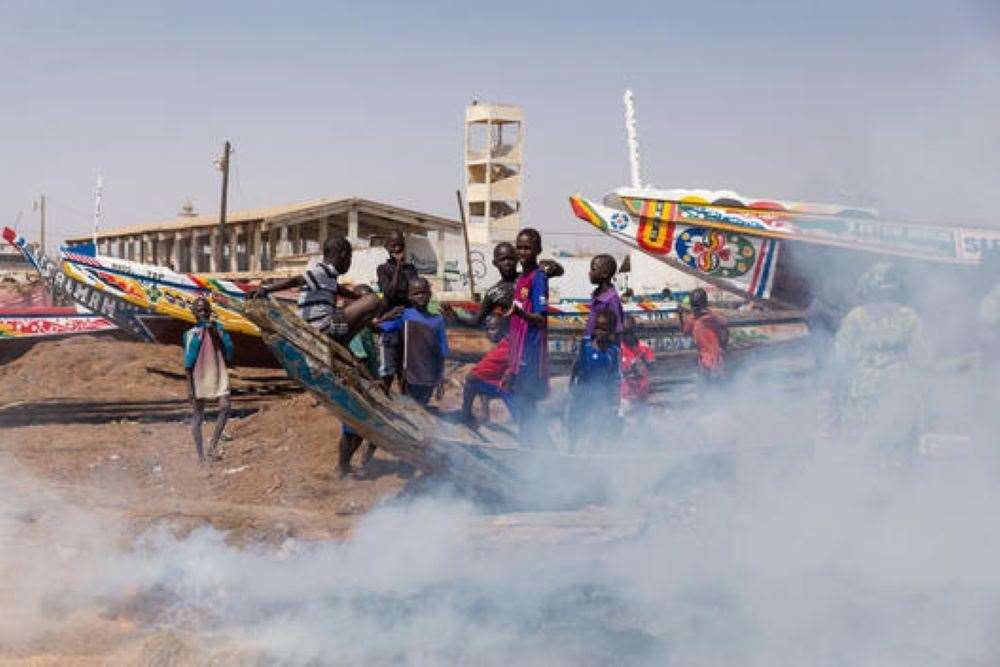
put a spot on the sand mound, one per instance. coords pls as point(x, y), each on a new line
point(90, 368)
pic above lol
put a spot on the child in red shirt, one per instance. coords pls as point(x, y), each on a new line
point(636, 361)
point(486, 377)
point(710, 332)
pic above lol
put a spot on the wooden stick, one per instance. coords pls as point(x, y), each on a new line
point(468, 253)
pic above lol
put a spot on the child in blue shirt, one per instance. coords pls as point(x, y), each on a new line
point(593, 384)
point(425, 345)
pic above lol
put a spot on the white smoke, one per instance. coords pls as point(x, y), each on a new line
point(795, 560)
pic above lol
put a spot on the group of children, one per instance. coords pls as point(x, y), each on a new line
point(611, 355)
point(414, 345)
point(609, 378)
point(610, 375)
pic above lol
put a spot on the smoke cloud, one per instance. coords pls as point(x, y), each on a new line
point(801, 554)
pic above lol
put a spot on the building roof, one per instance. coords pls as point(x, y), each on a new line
point(497, 113)
point(288, 213)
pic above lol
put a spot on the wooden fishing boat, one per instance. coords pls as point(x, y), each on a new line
point(50, 322)
point(22, 328)
point(149, 303)
point(143, 302)
point(96, 303)
point(158, 290)
point(774, 251)
point(481, 458)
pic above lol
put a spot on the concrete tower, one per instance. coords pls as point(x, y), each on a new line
point(494, 162)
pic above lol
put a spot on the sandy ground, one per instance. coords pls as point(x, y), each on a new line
point(277, 469)
point(118, 548)
point(276, 480)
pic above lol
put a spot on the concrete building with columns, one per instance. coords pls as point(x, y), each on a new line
point(270, 242)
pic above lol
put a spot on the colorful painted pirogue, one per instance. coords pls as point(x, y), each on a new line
point(165, 299)
point(160, 290)
point(34, 323)
point(396, 423)
point(733, 241)
point(97, 304)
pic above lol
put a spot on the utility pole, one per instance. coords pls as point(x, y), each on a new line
point(41, 218)
point(220, 248)
point(98, 209)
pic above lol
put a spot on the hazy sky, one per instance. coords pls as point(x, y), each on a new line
point(896, 101)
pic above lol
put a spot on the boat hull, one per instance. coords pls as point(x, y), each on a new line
point(43, 323)
point(91, 300)
point(812, 238)
point(396, 423)
point(248, 350)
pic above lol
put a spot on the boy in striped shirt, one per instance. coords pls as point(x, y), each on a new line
point(318, 301)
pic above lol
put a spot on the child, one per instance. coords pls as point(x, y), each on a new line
point(362, 346)
point(207, 349)
point(604, 296)
point(394, 277)
point(318, 301)
point(710, 332)
point(486, 377)
point(425, 344)
point(636, 361)
point(527, 376)
point(593, 382)
point(499, 298)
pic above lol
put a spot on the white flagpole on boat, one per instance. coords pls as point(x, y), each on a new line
point(633, 139)
point(98, 208)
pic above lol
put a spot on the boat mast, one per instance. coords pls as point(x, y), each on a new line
point(633, 139)
point(98, 208)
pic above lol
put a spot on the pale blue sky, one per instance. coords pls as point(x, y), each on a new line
point(805, 100)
